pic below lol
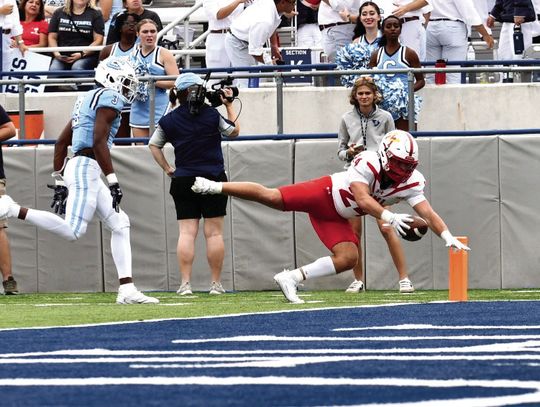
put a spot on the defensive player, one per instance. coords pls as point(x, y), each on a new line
point(375, 179)
point(79, 191)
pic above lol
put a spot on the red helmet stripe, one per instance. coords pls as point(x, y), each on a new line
point(411, 147)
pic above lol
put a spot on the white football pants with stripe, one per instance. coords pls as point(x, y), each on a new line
point(88, 195)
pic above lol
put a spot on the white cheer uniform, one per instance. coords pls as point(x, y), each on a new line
point(11, 27)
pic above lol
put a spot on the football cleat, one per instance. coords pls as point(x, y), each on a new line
point(288, 286)
point(206, 187)
point(133, 296)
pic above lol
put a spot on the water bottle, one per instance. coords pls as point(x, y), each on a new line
point(440, 77)
point(471, 55)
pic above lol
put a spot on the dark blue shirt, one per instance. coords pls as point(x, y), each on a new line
point(196, 140)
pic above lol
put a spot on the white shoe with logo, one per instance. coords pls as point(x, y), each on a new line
point(185, 289)
point(133, 296)
point(288, 286)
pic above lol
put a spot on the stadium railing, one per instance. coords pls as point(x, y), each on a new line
point(277, 74)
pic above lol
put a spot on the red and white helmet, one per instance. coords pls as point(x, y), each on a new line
point(398, 152)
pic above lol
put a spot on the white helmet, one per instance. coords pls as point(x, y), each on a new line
point(398, 152)
point(118, 74)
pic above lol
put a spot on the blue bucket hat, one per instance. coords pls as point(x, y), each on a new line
point(186, 80)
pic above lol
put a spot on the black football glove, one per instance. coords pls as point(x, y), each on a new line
point(116, 193)
point(59, 198)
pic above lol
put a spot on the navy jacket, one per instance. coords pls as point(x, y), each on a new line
point(505, 10)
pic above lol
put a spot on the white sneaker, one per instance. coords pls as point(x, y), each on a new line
point(405, 286)
point(185, 289)
point(134, 296)
point(8, 207)
point(355, 287)
point(206, 187)
point(288, 286)
point(216, 288)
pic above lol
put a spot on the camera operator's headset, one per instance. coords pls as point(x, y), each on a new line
point(198, 94)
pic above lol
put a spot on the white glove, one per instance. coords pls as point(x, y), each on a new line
point(397, 220)
point(451, 241)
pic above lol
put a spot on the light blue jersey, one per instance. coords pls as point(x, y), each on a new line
point(84, 113)
point(116, 51)
point(395, 61)
point(140, 108)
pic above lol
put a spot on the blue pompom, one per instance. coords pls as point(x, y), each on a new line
point(352, 56)
point(396, 97)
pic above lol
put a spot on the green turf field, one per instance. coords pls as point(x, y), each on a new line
point(33, 310)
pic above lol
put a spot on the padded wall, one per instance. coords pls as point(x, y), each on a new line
point(465, 192)
point(262, 238)
point(142, 182)
point(519, 172)
point(19, 166)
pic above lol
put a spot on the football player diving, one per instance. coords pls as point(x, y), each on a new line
point(375, 179)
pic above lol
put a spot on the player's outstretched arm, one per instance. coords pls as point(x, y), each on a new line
point(437, 225)
point(370, 206)
point(61, 147)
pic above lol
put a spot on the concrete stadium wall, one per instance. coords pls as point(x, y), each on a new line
point(483, 187)
point(319, 110)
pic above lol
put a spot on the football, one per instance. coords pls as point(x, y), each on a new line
point(418, 229)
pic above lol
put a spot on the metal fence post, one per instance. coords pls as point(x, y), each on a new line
point(152, 96)
point(279, 103)
point(22, 111)
point(410, 87)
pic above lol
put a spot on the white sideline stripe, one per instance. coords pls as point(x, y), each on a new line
point(260, 361)
point(428, 326)
point(206, 317)
point(272, 338)
point(532, 386)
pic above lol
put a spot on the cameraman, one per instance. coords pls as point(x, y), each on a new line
point(195, 129)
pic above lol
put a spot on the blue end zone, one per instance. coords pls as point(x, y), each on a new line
point(486, 352)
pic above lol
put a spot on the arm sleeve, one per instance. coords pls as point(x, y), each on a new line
point(343, 141)
point(158, 137)
point(226, 127)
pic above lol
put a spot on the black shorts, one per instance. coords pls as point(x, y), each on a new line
point(190, 205)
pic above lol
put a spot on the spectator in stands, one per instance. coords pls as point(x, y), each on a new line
point(393, 55)
point(336, 29)
point(513, 13)
point(374, 180)
point(361, 129)
point(150, 59)
point(80, 192)
point(35, 27)
point(244, 43)
point(78, 23)
point(109, 8)
point(220, 14)
point(413, 32)
point(195, 130)
point(308, 34)
point(357, 54)
point(11, 29)
point(51, 6)
point(7, 131)
point(127, 25)
point(447, 32)
point(133, 6)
